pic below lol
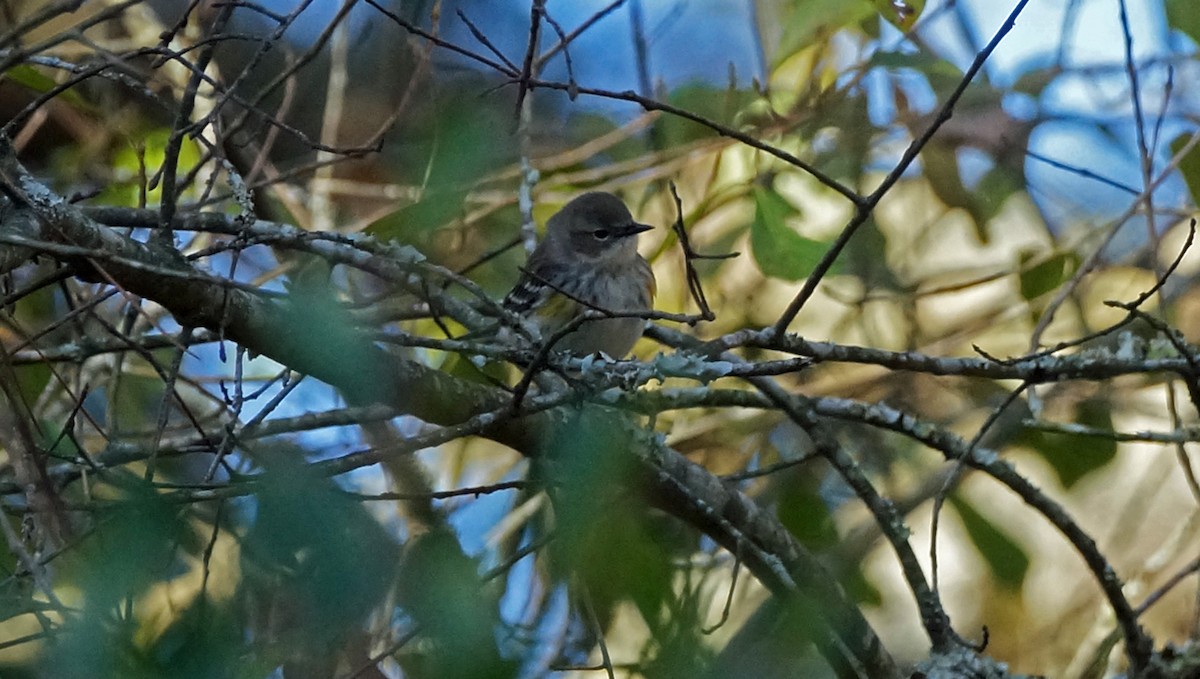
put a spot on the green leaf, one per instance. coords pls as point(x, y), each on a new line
point(30, 77)
point(1004, 557)
point(440, 588)
point(802, 511)
point(900, 13)
point(713, 103)
point(133, 545)
point(1182, 15)
point(134, 162)
point(864, 258)
point(130, 550)
point(319, 330)
point(202, 642)
point(942, 74)
point(994, 189)
point(682, 651)
point(1043, 277)
point(306, 537)
point(810, 20)
point(859, 586)
point(1035, 81)
point(593, 524)
point(1074, 456)
point(588, 126)
point(32, 380)
point(779, 251)
point(939, 163)
point(848, 154)
point(463, 145)
point(1189, 165)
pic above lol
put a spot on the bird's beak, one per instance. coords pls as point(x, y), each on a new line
point(633, 229)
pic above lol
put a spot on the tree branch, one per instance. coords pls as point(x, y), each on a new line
point(346, 358)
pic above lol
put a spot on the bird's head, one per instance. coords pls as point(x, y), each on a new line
point(596, 226)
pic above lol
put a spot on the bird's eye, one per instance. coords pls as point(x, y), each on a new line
point(600, 234)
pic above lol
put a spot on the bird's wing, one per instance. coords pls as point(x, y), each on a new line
point(533, 289)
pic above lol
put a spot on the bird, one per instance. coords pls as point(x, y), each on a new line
point(588, 260)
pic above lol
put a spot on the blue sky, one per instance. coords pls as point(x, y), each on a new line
point(1088, 111)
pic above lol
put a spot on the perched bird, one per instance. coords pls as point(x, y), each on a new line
point(587, 260)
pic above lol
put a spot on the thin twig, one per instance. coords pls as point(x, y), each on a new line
point(956, 476)
point(689, 256)
point(865, 206)
point(594, 621)
point(536, 9)
point(733, 579)
point(483, 40)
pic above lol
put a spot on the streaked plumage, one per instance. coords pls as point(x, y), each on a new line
point(590, 253)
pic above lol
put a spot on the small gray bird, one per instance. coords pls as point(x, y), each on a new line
point(590, 254)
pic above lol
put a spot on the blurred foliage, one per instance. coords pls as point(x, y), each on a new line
point(1182, 15)
point(779, 251)
point(1005, 558)
point(1189, 164)
point(445, 161)
point(605, 544)
point(132, 165)
point(205, 552)
point(712, 103)
point(807, 22)
point(1075, 456)
point(1039, 278)
point(29, 76)
point(131, 548)
point(804, 512)
point(438, 589)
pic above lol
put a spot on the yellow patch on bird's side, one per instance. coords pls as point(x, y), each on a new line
point(557, 310)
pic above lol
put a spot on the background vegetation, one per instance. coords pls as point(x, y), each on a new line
point(919, 397)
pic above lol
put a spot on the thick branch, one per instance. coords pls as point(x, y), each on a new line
point(346, 358)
